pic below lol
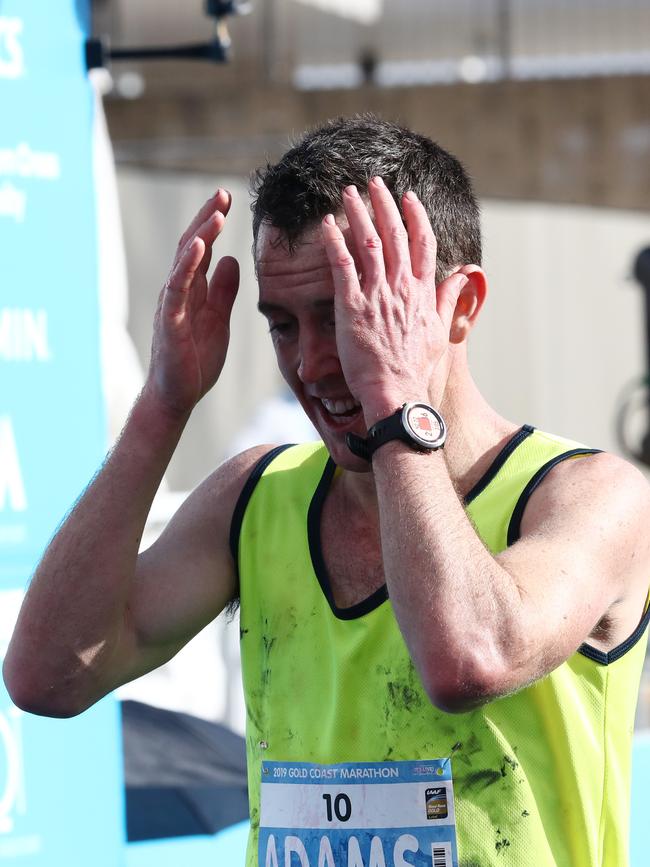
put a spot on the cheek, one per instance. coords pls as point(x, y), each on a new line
point(286, 362)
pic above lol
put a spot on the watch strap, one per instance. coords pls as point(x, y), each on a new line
point(392, 428)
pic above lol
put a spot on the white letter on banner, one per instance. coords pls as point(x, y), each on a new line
point(13, 797)
point(354, 853)
point(11, 51)
point(325, 854)
point(404, 843)
point(377, 858)
point(271, 854)
point(295, 846)
point(11, 480)
point(23, 335)
point(35, 326)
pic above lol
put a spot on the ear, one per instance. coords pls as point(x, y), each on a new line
point(469, 304)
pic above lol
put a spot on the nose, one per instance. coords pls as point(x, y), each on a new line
point(317, 358)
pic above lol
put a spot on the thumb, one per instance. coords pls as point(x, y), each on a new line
point(223, 287)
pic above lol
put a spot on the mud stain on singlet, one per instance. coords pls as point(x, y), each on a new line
point(486, 777)
point(466, 751)
point(403, 696)
point(501, 842)
point(493, 788)
point(267, 647)
point(403, 691)
point(508, 763)
point(479, 780)
point(401, 706)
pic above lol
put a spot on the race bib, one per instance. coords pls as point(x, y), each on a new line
point(366, 814)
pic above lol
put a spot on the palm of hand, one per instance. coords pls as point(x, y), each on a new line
point(191, 328)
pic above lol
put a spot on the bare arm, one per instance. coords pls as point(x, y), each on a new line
point(96, 614)
point(477, 626)
point(502, 622)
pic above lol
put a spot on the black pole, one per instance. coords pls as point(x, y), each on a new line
point(213, 51)
point(642, 274)
point(99, 53)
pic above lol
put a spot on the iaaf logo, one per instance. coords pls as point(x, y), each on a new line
point(12, 789)
point(12, 62)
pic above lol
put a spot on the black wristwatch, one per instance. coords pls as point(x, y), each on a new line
point(416, 424)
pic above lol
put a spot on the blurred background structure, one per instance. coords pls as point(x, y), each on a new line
point(546, 102)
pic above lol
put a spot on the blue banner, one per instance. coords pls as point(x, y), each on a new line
point(60, 781)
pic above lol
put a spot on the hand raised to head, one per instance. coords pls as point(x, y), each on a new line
point(392, 322)
point(192, 321)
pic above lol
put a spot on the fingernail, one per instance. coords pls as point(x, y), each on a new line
point(218, 193)
point(352, 191)
point(411, 196)
point(329, 219)
point(463, 281)
point(379, 181)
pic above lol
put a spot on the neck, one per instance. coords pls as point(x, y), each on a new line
point(476, 431)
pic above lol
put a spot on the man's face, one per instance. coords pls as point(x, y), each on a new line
point(296, 295)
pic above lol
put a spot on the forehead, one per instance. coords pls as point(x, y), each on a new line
point(272, 246)
point(305, 267)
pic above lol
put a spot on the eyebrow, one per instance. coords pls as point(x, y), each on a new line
point(266, 309)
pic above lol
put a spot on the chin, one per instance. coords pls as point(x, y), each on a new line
point(336, 445)
point(333, 432)
point(343, 458)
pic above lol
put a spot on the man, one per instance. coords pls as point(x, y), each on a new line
point(478, 610)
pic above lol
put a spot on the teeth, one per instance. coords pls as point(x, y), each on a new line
point(338, 407)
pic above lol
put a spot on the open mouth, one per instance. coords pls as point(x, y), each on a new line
point(339, 411)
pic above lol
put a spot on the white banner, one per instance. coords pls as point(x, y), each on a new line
point(363, 11)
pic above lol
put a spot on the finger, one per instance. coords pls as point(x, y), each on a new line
point(390, 226)
point(367, 242)
point(209, 231)
point(223, 287)
point(341, 261)
point(447, 297)
point(177, 291)
point(220, 201)
point(423, 247)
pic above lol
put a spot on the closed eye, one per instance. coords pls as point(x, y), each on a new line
point(280, 328)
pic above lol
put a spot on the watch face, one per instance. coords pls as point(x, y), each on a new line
point(424, 424)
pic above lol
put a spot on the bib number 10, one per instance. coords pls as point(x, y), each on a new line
point(340, 806)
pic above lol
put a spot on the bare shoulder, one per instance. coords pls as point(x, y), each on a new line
point(195, 544)
point(597, 488)
point(584, 544)
point(595, 510)
point(213, 502)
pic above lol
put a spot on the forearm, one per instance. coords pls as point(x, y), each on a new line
point(74, 626)
point(459, 611)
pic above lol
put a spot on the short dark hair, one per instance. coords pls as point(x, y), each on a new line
point(306, 184)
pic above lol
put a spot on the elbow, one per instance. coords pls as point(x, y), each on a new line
point(33, 697)
point(462, 684)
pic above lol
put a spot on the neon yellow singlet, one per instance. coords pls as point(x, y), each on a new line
point(541, 778)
